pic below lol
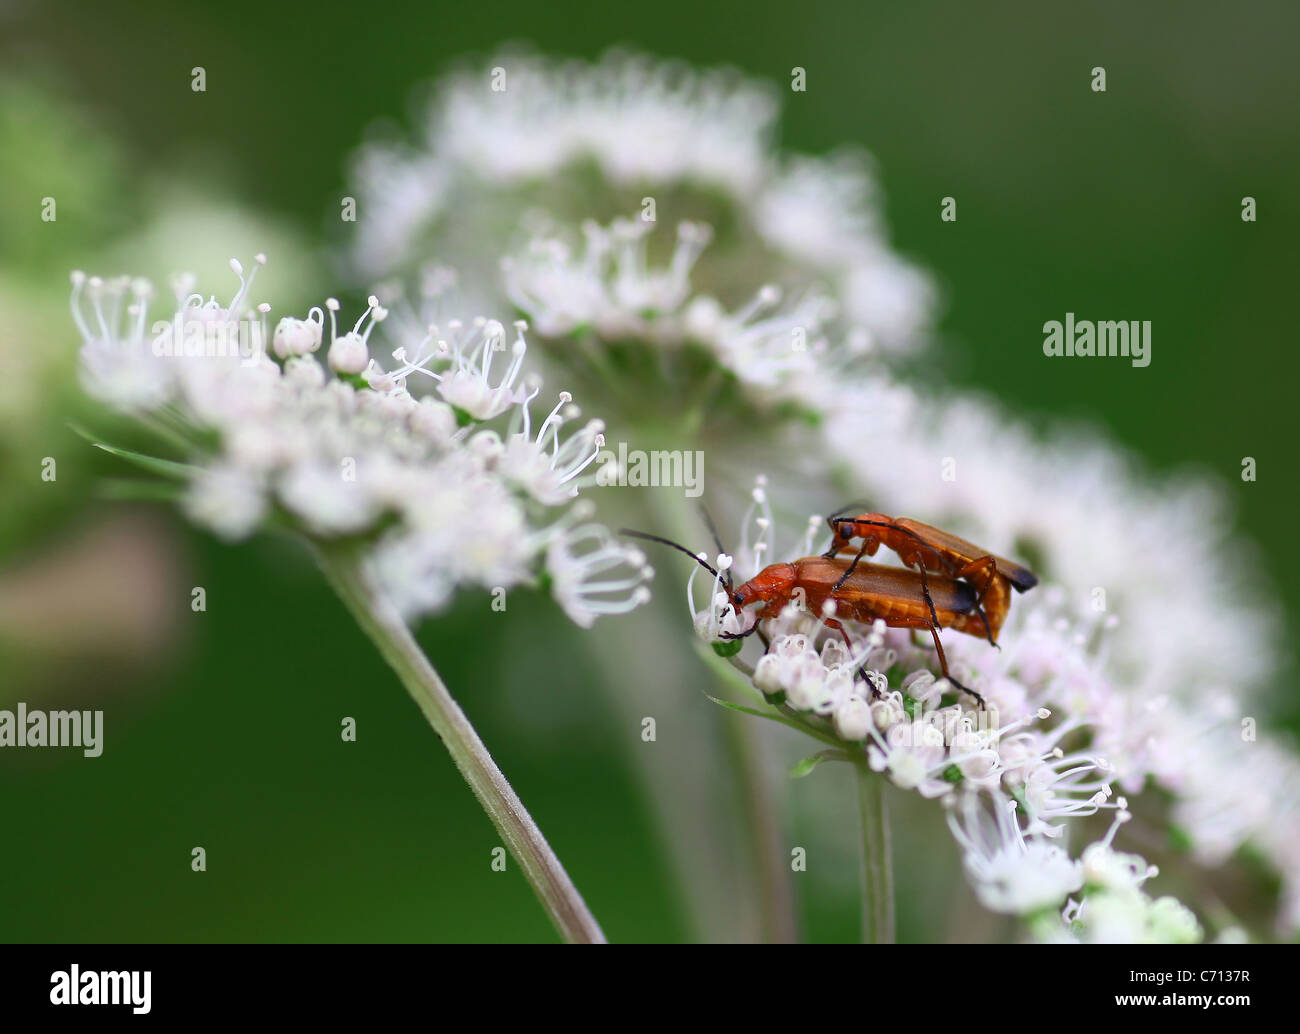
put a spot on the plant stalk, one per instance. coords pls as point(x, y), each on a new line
point(389, 633)
point(877, 863)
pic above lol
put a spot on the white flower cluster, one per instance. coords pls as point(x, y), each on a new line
point(1114, 908)
point(1011, 872)
point(595, 140)
point(1144, 559)
point(1014, 772)
point(1029, 876)
point(610, 288)
point(441, 498)
point(1235, 788)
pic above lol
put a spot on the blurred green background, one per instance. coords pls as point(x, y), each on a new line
point(1122, 204)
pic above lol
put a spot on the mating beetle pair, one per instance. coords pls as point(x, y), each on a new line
point(946, 582)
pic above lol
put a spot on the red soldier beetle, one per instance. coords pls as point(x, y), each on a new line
point(927, 548)
point(860, 591)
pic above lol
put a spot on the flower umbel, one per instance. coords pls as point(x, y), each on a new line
point(425, 482)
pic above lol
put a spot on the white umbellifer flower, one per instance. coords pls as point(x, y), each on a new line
point(327, 502)
point(823, 683)
point(1104, 918)
point(643, 123)
point(590, 576)
point(1235, 789)
point(228, 499)
point(551, 474)
point(1117, 873)
point(1114, 909)
point(914, 755)
point(115, 352)
point(853, 718)
point(350, 354)
point(641, 119)
point(822, 213)
point(298, 337)
point(1172, 922)
point(597, 140)
point(468, 382)
point(1010, 872)
point(437, 497)
point(609, 285)
point(611, 289)
point(1028, 876)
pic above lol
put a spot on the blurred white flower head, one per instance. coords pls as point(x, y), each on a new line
point(609, 294)
point(1010, 872)
point(1030, 877)
point(578, 140)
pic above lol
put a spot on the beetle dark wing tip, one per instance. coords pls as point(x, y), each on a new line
point(1024, 580)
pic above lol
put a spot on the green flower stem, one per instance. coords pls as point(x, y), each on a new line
point(877, 865)
point(387, 630)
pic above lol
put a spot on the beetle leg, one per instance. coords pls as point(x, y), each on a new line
point(943, 665)
point(845, 576)
point(925, 591)
point(848, 643)
point(933, 626)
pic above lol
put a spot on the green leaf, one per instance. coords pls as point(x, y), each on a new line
point(747, 710)
point(155, 464)
point(728, 647)
point(803, 767)
point(779, 719)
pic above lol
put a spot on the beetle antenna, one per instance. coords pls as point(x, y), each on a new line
point(681, 549)
point(847, 509)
